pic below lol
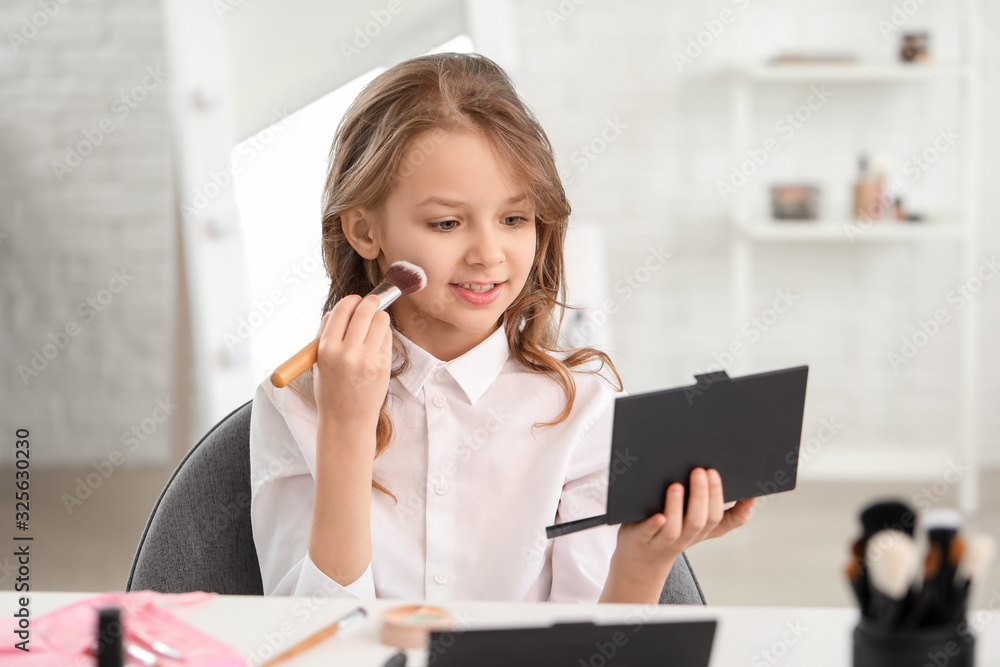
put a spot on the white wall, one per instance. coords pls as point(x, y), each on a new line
point(588, 65)
point(86, 192)
point(291, 53)
point(596, 67)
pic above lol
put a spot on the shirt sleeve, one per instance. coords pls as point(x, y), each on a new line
point(282, 487)
point(581, 561)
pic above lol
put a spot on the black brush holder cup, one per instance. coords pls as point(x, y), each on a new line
point(933, 646)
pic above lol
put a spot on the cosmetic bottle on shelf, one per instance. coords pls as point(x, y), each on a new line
point(867, 192)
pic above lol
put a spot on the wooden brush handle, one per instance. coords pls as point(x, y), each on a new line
point(295, 366)
point(303, 645)
point(306, 357)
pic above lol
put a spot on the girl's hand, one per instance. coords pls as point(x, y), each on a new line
point(651, 546)
point(353, 364)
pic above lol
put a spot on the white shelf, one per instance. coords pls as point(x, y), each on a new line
point(750, 227)
point(849, 231)
point(877, 462)
point(859, 73)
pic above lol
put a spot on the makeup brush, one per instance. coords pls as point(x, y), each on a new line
point(352, 619)
point(882, 515)
point(919, 612)
point(892, 561)
point(976, 559)
point(942, 529)
point(402, 278)
point(856, 575)
point(939, 572)
point(853, 572)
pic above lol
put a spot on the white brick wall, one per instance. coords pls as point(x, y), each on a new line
point(66, 238)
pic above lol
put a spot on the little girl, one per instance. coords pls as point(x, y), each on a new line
point(431, 444)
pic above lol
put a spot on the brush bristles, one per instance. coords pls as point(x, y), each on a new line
point(942, 519)
point(955, 551)
point(409, 278)
point(892, 561)
point(932, 562)
point(888, 515)
point(979, 550)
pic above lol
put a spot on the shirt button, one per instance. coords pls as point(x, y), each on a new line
point(441, 375)
point(440, 578)
point(440, 488)
point(439, 401)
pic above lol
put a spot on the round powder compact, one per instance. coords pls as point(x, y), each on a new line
point(411, 626)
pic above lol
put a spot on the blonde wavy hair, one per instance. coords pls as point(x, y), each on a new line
point(453, 92)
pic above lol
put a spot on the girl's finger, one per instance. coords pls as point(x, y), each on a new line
point(673, 509)
point(742, 510)
point(336, 322)
point(361, 322)
point(387, 340)
point(379, 341)
point(715, 500)
point(734, 517)
point(376, 332)
point(697, 512)
point(651, 526)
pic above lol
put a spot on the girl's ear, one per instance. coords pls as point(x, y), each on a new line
point(359, 228)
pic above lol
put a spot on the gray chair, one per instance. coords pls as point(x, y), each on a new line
point(198, 536)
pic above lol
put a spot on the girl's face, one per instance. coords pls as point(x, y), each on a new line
point(453, 214)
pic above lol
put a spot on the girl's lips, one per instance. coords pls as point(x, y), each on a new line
point(478, 298)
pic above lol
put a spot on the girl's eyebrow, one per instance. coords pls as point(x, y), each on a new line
point(458, 204)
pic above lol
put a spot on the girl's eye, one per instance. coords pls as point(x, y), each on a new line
point(448, 225)
point(439, 226)
point(519, 221)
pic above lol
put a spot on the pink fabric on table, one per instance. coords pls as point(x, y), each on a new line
point(60, 638)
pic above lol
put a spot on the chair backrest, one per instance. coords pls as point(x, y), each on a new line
point(199, 537)
point(681, 586)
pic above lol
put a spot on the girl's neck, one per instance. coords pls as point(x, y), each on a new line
point(447, 346)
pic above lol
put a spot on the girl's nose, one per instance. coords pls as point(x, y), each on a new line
point(486, 249)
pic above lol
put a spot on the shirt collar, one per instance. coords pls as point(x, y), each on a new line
point(474, 371)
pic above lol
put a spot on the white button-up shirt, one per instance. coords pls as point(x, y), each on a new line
point(475, 486)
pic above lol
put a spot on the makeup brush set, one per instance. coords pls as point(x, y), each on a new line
point(913, 605)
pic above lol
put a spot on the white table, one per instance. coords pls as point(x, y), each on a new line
point(755, 636)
